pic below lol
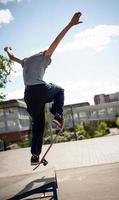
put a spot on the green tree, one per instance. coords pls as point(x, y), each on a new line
point(5, 70)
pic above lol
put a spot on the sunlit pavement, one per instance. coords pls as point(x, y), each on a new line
point(80, 165)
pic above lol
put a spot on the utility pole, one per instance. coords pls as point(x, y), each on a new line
point(73, 122)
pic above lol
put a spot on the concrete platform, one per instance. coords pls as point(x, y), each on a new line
point(83, 167)
point(89, 183)
point(23, 186)
point(99, 182)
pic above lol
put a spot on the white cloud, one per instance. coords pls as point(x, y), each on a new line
point(5, 16)
point(96, 38)
point(17, 70)
point(19, 0)
point(17, 94)
point(77, 92)
point(7, 1)
point(84, 91)
point(35, 51)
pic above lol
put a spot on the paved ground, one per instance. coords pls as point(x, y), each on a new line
point(71, 161)
point(100, 182)
point(63, 156)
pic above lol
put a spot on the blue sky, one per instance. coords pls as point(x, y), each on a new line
point(86, 62)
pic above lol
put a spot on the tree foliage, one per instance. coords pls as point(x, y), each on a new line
point(5, 70)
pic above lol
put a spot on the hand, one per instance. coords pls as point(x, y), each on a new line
point(76, 19)
point(7, 49)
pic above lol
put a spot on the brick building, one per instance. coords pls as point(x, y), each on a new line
point(106, 98)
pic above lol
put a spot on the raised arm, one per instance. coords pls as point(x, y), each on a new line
point(74, 21)
point(11, 55)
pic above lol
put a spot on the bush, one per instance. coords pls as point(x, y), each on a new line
point(69, 136)
point(81, 132)
point(90, 128)
point(61, 139)
point(102, 129)
point(24, 144)
point(93, 129)
point(47, 140)
point(117, 122)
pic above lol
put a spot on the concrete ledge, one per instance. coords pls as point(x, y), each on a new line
point(100, 182)
point(18, 187)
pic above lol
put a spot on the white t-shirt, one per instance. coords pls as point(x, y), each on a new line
point(34, 68)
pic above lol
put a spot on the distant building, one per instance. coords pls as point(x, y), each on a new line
point(106, 98)
point(76, 114)
point(14, 121)
point(78, 104)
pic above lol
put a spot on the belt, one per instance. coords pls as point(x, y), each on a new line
point(28, 87)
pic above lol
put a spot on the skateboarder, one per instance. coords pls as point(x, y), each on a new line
point(38, 93)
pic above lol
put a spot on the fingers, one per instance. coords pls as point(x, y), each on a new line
point(5, 49)
point(79, 14)
point(80, 22)
point(76, 19)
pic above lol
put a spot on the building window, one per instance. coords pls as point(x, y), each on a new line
point(82, 114)
point(23, 117)
point(94, 113)
point(24, 124)
point(2, 125)
point(11, 123)
point(75, 115)
point(10, 111)
point(101, 112)
point(110, 110)
point(1, 112)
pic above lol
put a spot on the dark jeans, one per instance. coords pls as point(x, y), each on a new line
point(36, 97)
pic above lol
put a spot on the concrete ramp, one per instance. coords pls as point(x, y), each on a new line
point(29, 185)
point(100, 182)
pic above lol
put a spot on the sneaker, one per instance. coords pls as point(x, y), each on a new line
point(34, 160)
point(58, 120)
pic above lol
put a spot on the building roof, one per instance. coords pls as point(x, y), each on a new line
point(12, 103)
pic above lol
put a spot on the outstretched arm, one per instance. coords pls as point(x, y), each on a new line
point(11, 55)
point(74, 21)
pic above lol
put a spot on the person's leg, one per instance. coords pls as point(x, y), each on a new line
point(38, 124)
point(56, 94)
point(35, 108)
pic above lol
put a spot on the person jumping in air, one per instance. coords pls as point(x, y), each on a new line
point(38, 92)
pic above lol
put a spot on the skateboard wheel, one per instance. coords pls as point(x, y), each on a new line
point(45, 162)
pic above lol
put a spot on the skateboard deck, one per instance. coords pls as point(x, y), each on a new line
point(43, 160)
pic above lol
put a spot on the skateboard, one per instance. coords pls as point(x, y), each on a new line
point(43, 160)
